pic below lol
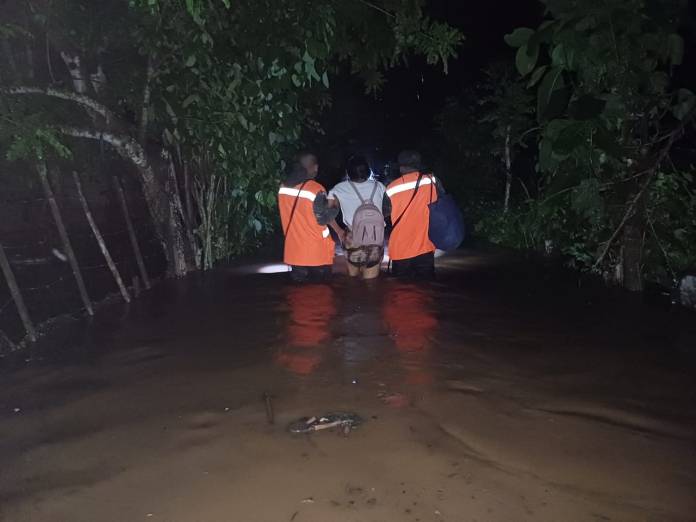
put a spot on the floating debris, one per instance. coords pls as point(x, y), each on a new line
point(342, 420)
point(268, 402)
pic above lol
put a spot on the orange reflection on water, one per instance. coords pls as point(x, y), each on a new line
point(408, 312)
point(311, 310)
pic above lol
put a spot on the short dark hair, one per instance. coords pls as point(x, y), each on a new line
point(295, 174)
point(410, 159)
point(305, 155)
point(358, 168)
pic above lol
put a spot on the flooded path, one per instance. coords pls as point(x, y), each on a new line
point(491, 394)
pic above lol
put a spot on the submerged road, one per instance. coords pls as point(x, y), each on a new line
point(496, 393)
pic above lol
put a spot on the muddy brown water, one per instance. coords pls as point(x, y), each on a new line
point(492, 394)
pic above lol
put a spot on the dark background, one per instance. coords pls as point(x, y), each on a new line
point(402, 114)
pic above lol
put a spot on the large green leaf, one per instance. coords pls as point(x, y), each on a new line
point(536, 76)
point(563, 56)
point(518, 37)
point(526, 59)
point(552, 96)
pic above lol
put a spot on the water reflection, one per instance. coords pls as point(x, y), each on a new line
point(408, 312)
point(311, 308)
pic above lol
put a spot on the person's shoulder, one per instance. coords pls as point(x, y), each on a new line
point(394, 182)
point(315, 185)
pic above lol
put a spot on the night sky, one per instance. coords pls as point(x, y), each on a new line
point(401, 115)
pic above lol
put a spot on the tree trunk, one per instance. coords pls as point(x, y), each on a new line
point(508, 170)
point(131, 233)
point(17, 296)
point(632, 243)
point(187, 194)
point(145, 109)
point(163, 200)
point(76, 70)
point(100, 239)
point(62, 231)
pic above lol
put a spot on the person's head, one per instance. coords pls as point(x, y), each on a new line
point(310, 163)
point(358, 169)
point(410, 161)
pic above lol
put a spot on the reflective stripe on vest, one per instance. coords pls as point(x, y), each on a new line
point(306, 194)
point(403, 187)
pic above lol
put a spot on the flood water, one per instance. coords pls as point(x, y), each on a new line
point(496, 393)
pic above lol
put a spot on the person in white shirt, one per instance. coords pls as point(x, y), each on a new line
point(348, 195)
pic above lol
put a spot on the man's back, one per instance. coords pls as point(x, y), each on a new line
point(410, 215)
point(306, 242)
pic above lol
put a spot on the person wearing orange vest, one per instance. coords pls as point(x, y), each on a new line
point(411, 252)
point(304, 214)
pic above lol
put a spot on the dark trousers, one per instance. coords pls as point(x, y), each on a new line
point(310, 274)
point(419, 267)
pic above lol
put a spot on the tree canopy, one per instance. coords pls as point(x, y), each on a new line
point(204, 98)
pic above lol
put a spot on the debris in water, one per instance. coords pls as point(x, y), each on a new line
point(308, 500)
point(267, 399)
point(17, 410)
point(342, 420)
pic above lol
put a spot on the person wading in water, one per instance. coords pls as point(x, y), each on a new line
point(410, 249)
point(360, 201)
point(304, 214)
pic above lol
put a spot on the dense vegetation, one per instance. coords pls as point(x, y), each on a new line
point(579, 144)
point(202, 99)
point(597, 109)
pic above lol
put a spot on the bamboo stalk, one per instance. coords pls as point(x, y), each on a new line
point(131, 233)
point(65, 239)
point(100, 239)
point(17, 296)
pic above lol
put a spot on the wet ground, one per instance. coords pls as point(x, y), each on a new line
point(497, 393)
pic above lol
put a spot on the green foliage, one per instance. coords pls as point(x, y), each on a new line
point(40, 143)
point(671, 247)
point(231, 86)
point(235, 86)
point(608, 114)
point(507, 105)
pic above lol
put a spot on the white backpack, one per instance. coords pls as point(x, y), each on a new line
point(368, 222)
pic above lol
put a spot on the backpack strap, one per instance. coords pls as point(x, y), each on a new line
point(372, 196)
point(374, 191)
point(398, 220)
point(294, 207)
point(362, 201)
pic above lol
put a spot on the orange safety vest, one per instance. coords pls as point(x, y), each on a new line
point(410, 236)
point(307, 243)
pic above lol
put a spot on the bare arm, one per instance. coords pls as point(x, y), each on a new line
point(340, 232)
